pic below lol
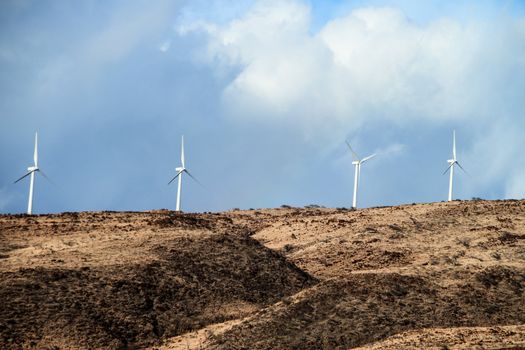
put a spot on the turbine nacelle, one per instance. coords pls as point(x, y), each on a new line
point(32, 168)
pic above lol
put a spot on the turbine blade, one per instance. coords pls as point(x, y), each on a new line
point(45, 176)
point(367, 158)
point(176, 176)
point(182, 153)
point(29, 173)
point(193, 177)
point(459, 165)
point(448, 168)
point(354, 155)
point(35, 155)
point(454, 144)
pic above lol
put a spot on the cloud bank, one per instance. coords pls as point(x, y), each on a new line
point(374, 66)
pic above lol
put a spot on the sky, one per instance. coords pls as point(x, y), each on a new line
point(265, 92)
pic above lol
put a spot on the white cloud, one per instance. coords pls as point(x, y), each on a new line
point(165, 46)
point(392, 150)
point(373, 64)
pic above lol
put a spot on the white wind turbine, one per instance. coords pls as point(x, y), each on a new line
point(31, 171)
point(452, 162)
point(357, 163)
point(180, 170)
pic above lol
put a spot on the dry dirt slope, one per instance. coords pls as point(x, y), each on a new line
point(419, 276)
point(121, 280)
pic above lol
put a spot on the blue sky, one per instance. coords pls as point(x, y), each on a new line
point(265, 92)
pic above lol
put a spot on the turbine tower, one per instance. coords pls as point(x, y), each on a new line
point(357, 163)
point(180, 170)
point(452, 162)
point(31, 172)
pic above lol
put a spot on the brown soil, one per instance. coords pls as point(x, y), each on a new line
point(441, 275)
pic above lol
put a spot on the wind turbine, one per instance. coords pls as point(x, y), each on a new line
point(31, 171)
point(452, 162)
point(180, 170)
point(357, 163)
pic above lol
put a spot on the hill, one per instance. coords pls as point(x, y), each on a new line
point(427, 275)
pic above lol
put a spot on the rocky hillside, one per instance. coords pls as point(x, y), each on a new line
point(443, 275)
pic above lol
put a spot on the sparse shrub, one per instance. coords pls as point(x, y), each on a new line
point(313, 206)
point(286, 206)
point(476, 199)
point(396, 228)
point(288, 248)
point(451, 260)
point(459, 254)
point(508, 237)
point(464, 241)
point(286, 300)
point(496, 255)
